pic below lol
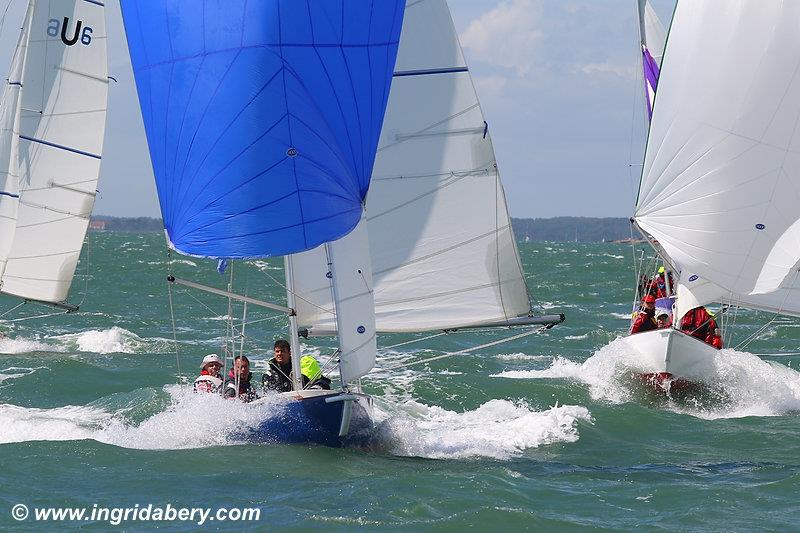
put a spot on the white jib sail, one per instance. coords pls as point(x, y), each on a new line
point(355, 308)
point(442, 248)
point(62, 123)
point(9, 142)
point(721, 181)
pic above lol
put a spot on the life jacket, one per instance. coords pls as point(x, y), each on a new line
point(205, 382)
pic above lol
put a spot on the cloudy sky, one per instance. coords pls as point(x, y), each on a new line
point(558, 81)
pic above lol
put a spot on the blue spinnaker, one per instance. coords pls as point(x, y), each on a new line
point(262, 116)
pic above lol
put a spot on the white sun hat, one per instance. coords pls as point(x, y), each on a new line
point(210, 358)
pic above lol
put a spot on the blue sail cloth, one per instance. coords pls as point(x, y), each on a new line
point(262, 116)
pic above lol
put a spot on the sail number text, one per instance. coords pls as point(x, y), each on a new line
point(55, 25)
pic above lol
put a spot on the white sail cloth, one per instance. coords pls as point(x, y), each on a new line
point(9, 142)
point(652, 32)
point(721, 183)
point(62, 120)
point(442, 248)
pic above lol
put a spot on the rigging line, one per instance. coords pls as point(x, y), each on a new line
point(327, 365)
point(296, 294)
point(415, 340)
point(468, 350)
point(172, 316)
point(786, 354)
point(755, 335)
point(23, 302)
point(22, 319)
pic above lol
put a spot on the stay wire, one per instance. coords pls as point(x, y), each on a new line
point(172, 316)
point(468, 350)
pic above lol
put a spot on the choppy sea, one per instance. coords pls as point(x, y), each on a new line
point(545, 433)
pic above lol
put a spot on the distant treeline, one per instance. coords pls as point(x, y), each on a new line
point(559, 229)
point(572, 229)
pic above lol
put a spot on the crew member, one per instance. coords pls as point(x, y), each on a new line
point(699, 323)
point(645, 319)
point(209, 379)
point(278, 376)
point(241, 373)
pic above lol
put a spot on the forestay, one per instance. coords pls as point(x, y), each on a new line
point(442, 248)
point(721, 181)
point(262, 116)
point(53, 145)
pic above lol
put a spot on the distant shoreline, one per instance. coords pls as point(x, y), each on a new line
point(556, 229)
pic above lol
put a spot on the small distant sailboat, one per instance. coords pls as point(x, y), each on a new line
point(719, 197)
point(52, 122)
point(263, 119)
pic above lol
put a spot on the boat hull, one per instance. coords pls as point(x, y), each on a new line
point(672, 360)
point(329, 418)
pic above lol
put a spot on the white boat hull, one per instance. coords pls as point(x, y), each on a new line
point(670, 351)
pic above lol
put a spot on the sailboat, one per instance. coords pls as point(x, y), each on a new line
point(263, 120)
point(52, 122)
point(719, 197)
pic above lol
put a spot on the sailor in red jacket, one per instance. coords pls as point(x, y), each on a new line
point(645, 319)
point(700, 324)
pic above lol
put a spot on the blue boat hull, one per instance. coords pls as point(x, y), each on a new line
point(318, 420)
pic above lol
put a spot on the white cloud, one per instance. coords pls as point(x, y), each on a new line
point(507, 36)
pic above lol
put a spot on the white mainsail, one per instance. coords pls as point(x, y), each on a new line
point(721, 183)
point(9, 142)
point(61, 126)
point(441, 244)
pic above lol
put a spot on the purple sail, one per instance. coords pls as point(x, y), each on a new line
point(651, 72)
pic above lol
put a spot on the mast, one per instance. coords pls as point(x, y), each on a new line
point(294, 338)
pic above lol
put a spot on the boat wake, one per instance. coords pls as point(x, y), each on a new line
point(176, 418)
point(498, 429)
point(742, 384)
point(144, 419)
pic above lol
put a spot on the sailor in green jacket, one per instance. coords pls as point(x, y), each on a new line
point(278, 376)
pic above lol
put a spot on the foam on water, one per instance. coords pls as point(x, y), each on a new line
point(189, 421)
point(742, 383)
point(498, 429)
point(112, 340)
point(14, 372)
point(521, 357)
point(23, 424)
point(17, 345)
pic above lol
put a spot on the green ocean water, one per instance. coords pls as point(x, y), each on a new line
point(545, 433)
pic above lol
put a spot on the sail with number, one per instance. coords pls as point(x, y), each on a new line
point(442, 247)
point(53, 114)
point(721, 183)
point(263, 119)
